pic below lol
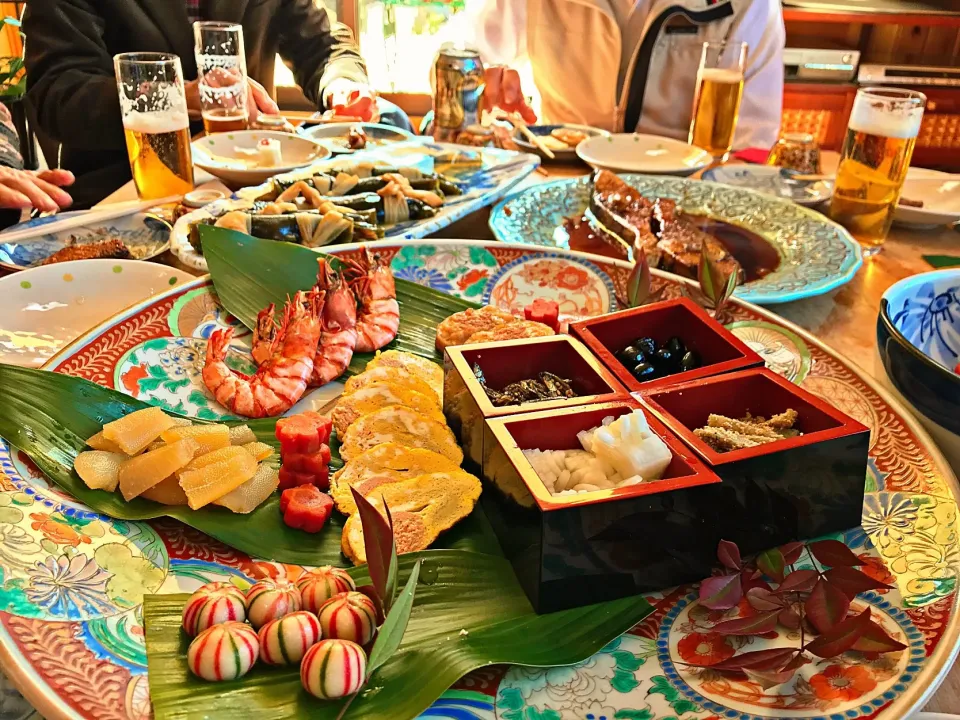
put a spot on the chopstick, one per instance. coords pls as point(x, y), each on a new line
point(99, 214)
point(518, 123)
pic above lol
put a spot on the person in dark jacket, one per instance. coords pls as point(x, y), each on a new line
point(72, 90)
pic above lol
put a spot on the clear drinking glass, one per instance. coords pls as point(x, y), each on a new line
point(882, 132)
point(155, 123)
point(716, 105)
point(222, 75)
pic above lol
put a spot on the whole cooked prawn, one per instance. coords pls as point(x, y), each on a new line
point(282, 379)
point(378, 318)
point(338, 321)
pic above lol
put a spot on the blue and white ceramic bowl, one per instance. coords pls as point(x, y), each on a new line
point(918, 336)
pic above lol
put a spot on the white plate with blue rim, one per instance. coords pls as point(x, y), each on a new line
point(45, 308)
point(143, 234)
point(771, 180)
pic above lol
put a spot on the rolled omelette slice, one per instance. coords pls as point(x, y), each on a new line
point(387, 461)
point(421, 507)
point(401, 425)
point(377, 395)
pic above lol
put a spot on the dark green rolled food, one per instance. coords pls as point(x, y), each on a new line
point(368, 217)
point(304, 228)
point(349, 183)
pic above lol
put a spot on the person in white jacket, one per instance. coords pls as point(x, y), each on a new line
point(629, 65)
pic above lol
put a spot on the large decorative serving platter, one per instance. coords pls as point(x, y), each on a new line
point(816, 255)
point(73, 581)
point(485, 174)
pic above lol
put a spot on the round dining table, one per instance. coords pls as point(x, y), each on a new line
point(843, 319)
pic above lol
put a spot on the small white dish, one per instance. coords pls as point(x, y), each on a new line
point(940, 194)
point(333, 136)
point(770, 181)
point(562, 152)
point(647, 154)
point(233, 157)
point(45, 308)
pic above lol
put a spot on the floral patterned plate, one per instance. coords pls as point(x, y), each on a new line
point(816, 255)
point(485, 174)
point(70, 626)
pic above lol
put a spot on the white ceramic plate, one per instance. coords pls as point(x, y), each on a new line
point(232, 157)
point(333, 136)
point(769, 181)
point(45, 308)
point(565, 153)
point(647, 154)
point(940, 194)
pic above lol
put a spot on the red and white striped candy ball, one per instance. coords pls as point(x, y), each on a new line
point(333, 669)
point(285, 641)
point(349, 616)
point(212, 604)
point(270, 600)
point(223, 652)
point(322, 583)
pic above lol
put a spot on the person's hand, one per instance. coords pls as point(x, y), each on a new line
point(22, 189)
point(503, 91)
point(349, 99)
point(258, 99)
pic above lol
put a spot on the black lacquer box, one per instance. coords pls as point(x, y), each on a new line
point(791, 489)
point(719, 350)
point(466, 405)
point(573, 550)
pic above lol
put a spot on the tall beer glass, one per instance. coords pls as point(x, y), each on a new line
point(716, 105)
point(222, 75)
point(883, 129)
point(155, 123)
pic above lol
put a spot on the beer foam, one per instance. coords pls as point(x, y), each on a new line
point(156, 122)
point(901, 123)
point(722, 75)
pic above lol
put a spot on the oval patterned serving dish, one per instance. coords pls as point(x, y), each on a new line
point(73, 581)
point(816, 255)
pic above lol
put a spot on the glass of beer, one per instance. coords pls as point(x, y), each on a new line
point(716, 106)
point(222, 75)
point(155, 122)
point(883, 129)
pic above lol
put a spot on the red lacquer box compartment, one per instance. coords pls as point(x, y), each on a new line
point(719, 349)
point(466, 405)
point(573, 550)
point(797, 488)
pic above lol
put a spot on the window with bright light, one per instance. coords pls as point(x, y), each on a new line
point(399, 40)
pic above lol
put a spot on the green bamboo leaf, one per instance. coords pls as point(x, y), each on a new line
point(49, 416)
point(391, 632)
point(249, 274)
point(471, 614)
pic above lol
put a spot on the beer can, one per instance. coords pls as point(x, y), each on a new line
point(458, 83)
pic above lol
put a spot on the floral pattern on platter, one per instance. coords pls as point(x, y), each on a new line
point(463, 272)
point(782, 351)
point(168, 372)
point(909, 539)
point(852, 685)
point(929, 317)
point(198, 314)
point(581, 288)
point(815, 255)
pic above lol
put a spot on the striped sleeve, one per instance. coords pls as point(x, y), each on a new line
point(9, 141)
